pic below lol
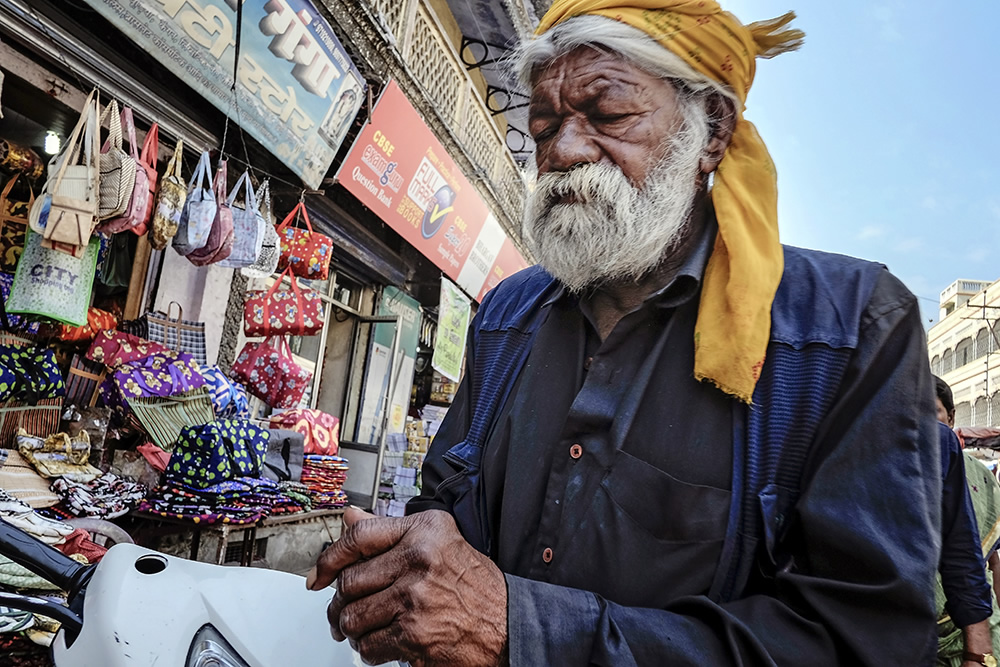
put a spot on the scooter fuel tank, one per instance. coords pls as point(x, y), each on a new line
point(144, 609)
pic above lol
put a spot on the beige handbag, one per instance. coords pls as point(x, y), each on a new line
point(117, 168)
point(169, 202)
point(66, 211)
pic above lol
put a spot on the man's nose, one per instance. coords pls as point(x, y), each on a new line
point(571, 147)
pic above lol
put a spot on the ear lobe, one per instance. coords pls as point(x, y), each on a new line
point(723, 121)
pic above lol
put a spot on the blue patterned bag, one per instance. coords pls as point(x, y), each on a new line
point(29, 374)
point(229, 398)
point(217, 452)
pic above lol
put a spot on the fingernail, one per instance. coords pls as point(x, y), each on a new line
point(311, 578)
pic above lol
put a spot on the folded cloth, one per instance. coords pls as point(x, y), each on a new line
point(58, 455)
point(20, 515)
point(15, 620)
point(324, 477)
point(79, 542)
point(20, 479)
point(106, 497)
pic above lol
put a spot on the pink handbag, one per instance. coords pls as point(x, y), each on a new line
point(220, 239)
point(295, 311)
point(147, 163)
point(269, 372)
point(136, 213)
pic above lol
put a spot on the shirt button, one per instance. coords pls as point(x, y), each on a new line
point(576, 451)
point(547, 555)
point(587, 362)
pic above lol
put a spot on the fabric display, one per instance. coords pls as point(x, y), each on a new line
point(295, 311)
point(138, 201)
point(169, 201)
point(267, 256)
point(17, 323)
point(217, 452)
point(97, 321)
point(325, 476)
point(285, 451)
point(41, 418)
point(271, 373)
point(320, 431)
point(229, 398)
point(200, 206)
point(59, 455)
point(298, 493)
point(164, 417)
point(117, 348)
point(83, 381)
point(105, 497)
point(219, 243)
point(248, 226)
point(160, 374)
point(20, 479)
point(305, 251)
point(238, 501)
point(29, 374)
point(13, 223)
point(53, 284)
point(174, 333)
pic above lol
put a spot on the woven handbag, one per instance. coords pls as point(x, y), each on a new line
point(41, 418)
point(271, 373)
point(267, 259)
point(13, 222)
point(199, 209)
point(164, 417)
point(175, 333)
point(248, 226)
point(169, 202)
point(139, 194)
point(295, 311)
point(117, 169)
point(305, 251)
point(219, 243)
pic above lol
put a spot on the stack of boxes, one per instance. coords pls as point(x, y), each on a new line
point(403, 459)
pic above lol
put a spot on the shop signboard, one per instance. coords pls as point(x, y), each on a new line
point(453, 326)
point(298, 91)
point(399, 169)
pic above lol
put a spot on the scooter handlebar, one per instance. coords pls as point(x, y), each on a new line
point(49, 563)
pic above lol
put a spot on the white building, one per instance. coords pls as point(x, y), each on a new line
point(964, 349)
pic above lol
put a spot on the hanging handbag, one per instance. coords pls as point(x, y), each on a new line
point(169, 201)
point(305, 251)
point(65, 213)
point(53, 284)
point(147, 163)
point(199, 209)
point(320, 430)
point(296, 311)
point(174, 333)
point(138, 200)
point(270, 372)
point(217, 452)
point(13, 222)
point(248, 226)
point(219, 244)
point(117, 168)
point(267, 258)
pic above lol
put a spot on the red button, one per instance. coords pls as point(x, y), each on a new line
point(547, 555)
point(576, 451)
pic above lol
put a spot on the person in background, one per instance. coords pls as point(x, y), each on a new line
point(678, 442)
point(963, 592)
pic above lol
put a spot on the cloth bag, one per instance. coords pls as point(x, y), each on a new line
point(267, 259)
point(199, 209)
point(169, 203)
point(248, 226)
point(217, 452)
point(53, 284)
point(59, 455)
point(305, 251)
point(19, 479)
point(285, 454)
point(97, 321)
point(40, 418)
point(271, 373)
point(118, 168)
point(13, 223)
point(29, 374)
point(174, 333)
point(117, 348)
point(138, 201)
point(229, 398)
point(295, 311)
point(219, 243)
point(15, 323)
point(83, 381)
point(320, 430)
point(147, 163)
point(164, 417)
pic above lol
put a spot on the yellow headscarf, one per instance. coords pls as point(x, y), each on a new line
point(734, 316)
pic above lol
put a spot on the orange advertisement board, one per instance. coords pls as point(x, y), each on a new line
point(399, 170)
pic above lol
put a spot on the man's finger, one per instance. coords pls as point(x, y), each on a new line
point(364, 616)
point(364, 539)
point(368, 577)
point(353, 515)
point(384, 645)
point(333, 616)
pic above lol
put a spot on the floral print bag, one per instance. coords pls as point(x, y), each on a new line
point(306, 252)
point(296, 311)
point(270, 373)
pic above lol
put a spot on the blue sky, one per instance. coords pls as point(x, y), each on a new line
point(882, 129)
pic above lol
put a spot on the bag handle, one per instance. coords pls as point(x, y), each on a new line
point(174, 166)
point(180, 311)
point(220, 182)
point(201, 172)
point(251, 198)
point(6, 193)
point(151, 146)
point(292, 216)
point(296, 290)
point(72, 151)
point(114, 126)
point(128, 122)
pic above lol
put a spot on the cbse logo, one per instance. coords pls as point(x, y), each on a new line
point(438, 208)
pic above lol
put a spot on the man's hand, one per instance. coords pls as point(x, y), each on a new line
point(413, 589)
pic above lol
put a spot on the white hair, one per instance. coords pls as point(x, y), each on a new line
point(617, 38)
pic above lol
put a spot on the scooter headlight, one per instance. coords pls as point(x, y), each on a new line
point(210, 649)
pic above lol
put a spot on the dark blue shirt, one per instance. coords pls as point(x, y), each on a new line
point(963, 572)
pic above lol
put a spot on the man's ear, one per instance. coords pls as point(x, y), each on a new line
point(722, 112)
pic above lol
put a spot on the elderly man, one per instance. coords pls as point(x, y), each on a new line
point(677, 442)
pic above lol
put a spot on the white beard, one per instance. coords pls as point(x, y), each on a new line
point(613, 231)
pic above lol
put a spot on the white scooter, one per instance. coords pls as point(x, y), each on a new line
point(141, 608)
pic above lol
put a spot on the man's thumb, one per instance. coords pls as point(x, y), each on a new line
point(353, 515)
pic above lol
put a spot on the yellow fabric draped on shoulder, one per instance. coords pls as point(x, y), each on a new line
point(742, 276)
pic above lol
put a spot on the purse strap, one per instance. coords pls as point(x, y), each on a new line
point(85, 127)
point(174, 166)
point(292, 216)
point(151, 146)
point(251, 198)
point(220, 182)
point(128, 122)
point(296, 290)
point(201, 172)
point(114, 127)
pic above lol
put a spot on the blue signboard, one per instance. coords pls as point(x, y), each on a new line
point(298, 90)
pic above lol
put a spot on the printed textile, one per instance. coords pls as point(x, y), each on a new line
point(106, 497)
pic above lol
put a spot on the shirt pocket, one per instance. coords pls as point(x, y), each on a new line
point(668, 508)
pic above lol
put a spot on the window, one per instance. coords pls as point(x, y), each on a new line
point(995, 409)
point(982, 346)
point(947, 362)
point(963, 352)
point(936, 365)
point(980, 412)
point(963, 414)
